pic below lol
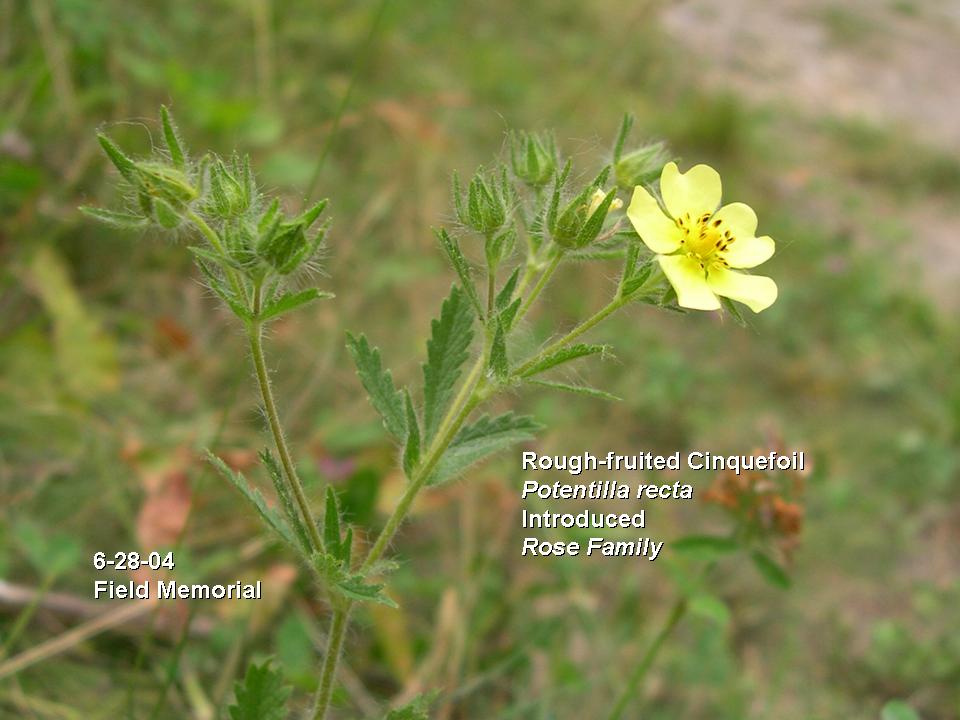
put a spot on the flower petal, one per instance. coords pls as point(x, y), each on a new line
point(696, 191)
point(755, 291)
point(689, 280)
point(659, 232)
point(748, 252)
point(739, 218)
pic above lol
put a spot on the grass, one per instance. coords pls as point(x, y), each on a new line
point(853, 363)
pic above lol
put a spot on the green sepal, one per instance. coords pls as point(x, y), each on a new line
point(171, 139)
point(126, 166)
point(125, 221)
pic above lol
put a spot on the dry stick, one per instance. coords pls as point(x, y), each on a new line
point(109, 620)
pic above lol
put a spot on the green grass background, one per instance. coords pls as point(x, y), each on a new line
point(115, 363)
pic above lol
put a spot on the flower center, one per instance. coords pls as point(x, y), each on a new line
point(705, 238)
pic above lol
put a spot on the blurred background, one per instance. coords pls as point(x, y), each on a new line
point(837, 121)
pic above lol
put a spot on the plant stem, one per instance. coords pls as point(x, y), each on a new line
point(600, 315)
point(331, 659)
point(633, 683)
point(341, 615)
point(255, 335)
point(538, 288)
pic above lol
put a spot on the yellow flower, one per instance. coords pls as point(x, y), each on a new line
point(697, 244)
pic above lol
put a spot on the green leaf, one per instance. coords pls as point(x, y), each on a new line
point(411, 448)
point(290, 301)
point(565, 355)
point(898, 710)
point(378, 383)
point(498, 363)
point(331, 524)
point(508, 315)
point(269, 517)
point(480, 440)
point(447, 350)
point(355, 588)
point(286, 500)
point(51, 553)
point(461, 266)
point(124, 221)
point(707, 547)
point(261, 696)
point(625, 126)
point(172, 139)
point(416, 709)
point(710, 607)
point(770, 570)
point(577, 389)
point(505, 296)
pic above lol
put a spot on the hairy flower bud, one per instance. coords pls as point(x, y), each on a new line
point(641, 166)
point(486, 206)
point(533, 157)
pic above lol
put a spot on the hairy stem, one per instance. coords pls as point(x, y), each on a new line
point(341, 615)
point(331, 659)
point(255, 336)
point(538, 288)
point(590, 322)
point(640, 672)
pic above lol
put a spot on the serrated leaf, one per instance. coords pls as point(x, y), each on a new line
point(481, 439)
point(378, 383)
point(261, 696)
point(416, 709)
point(255, 498)
point(461, 266)
point(898, 710)
point(172, 139)
point(707, 547)
point(505, 296)
point(770, 570)
point(124, 221)
point(286, 500)
point(411, 448)
point(291, 301)
point(355, 588)
point(447, 350)
point(331, 525)
point(577, 389)
point(498, 363)
point(565, 355)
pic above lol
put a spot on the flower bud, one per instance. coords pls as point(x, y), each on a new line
point(533, 158)
point(640, 166)
point(486, 202)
